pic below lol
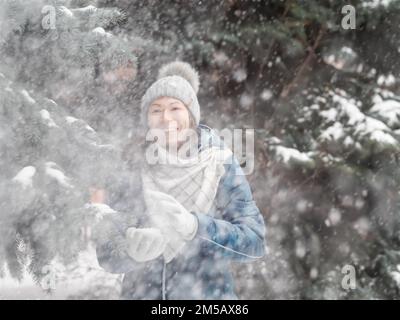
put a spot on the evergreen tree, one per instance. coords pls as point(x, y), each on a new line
point(52, 158)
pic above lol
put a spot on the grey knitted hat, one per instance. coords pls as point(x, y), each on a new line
point(177, 80)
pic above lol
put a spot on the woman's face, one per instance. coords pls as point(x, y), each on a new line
point(171, 116)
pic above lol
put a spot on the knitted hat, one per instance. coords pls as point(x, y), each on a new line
point(177, 80)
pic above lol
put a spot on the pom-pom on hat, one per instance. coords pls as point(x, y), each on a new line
point(177, 80)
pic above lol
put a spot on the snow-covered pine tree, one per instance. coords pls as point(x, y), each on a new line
point(70, 54)
point(333, 146)
point(51, 158)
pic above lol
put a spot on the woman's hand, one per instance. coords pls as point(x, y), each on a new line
point(175, 215)
point(144, 244)
point(97, 195)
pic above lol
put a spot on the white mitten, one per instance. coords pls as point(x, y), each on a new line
point(175, 215)
point(144, 244)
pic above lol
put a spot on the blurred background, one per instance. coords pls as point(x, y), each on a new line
point(318, 81)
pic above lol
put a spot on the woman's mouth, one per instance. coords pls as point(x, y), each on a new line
point(170, 129)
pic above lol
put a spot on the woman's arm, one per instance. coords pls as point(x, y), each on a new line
point(110, 239)
point(111, 246)
point(240, 233)
point(110, 233)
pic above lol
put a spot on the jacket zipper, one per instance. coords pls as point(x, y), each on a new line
point(164, 282)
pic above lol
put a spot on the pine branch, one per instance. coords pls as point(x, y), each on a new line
point(303, 67)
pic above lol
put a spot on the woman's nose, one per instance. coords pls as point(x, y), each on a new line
point(167, 115)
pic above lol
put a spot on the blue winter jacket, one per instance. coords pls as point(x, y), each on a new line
point(232, 231)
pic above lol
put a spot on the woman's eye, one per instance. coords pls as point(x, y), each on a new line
point(155, 111)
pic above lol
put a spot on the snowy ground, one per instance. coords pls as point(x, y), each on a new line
point(85, 279)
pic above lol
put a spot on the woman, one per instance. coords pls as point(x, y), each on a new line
point(195, 213)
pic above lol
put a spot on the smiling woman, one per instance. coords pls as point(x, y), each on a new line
point(198, 212)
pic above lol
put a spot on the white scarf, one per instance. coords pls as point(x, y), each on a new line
point(193, 182)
